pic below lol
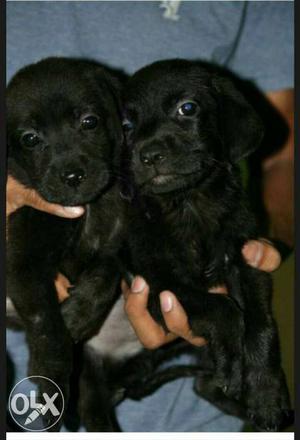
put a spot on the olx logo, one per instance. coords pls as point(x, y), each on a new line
point(32, 411)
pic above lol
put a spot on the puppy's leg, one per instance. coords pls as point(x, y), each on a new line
point(95, 406)
point(265, 395)
point(149, 384)
point(219, 319)
point(206, 388)
point(149, 378)
point(91, 299)
point(50, 345)
point(36, 242)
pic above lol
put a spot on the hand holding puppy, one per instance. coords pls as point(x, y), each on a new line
point(17, 196)
point(260, 254)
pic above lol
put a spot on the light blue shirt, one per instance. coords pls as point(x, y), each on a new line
point(254, 39)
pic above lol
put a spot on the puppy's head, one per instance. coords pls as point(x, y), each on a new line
point(183, 119)
point(64, 129)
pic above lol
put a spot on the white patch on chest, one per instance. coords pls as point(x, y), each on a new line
point(116, 338)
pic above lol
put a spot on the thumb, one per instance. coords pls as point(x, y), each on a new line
point(34, 200)
point(262, 255)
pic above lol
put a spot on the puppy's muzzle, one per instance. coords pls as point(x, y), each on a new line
point(73, 177)
point(152, 155)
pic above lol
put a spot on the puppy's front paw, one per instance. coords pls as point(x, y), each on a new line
point(230, 384)
point(232, 387)
point(78, 316)
point(268, 404)
point(229, 368)
point(268, 417)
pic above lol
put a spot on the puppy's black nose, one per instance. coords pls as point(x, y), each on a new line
point(151, 157)
point(73, 177)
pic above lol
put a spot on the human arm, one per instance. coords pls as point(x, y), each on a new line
point(278, 173)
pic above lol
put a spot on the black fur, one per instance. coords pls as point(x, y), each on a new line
point(51, 150)
point(192, 220)
point(189, 220)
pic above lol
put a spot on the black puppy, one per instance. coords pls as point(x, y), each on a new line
point(187, 128)
point(64, 137)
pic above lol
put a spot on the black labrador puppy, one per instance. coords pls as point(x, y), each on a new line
point(187, 128)
point(64, 141)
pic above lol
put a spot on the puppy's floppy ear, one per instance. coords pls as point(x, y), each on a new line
point(240, 126)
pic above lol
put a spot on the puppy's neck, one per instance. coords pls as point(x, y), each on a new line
point(203, 203)
point(98, 231)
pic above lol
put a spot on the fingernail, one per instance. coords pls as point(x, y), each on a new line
point(138, 285)
point(74, 211)
point(253, 252)
point(166, 303)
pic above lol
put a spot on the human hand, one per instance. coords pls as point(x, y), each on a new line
point(62, 285)
point(17, 196)
point(278, 173)
point(260, 254)
point(151, 334)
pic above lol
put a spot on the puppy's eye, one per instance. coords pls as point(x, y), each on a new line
point(187, 109)
point(127, 124)
point(30, 140)
point(89, 122)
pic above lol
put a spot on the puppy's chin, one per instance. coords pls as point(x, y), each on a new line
point(169, 183)
point(68, 196)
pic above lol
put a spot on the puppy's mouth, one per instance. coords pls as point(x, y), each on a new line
point(162, 179)
point(165, 183)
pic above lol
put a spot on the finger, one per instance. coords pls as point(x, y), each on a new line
point(262, 255)
point(14, 195)
point(149, 332)
point(137, 285)
point(176, 318)
point(62, 284)
point(125, 289)
point(34, 200)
